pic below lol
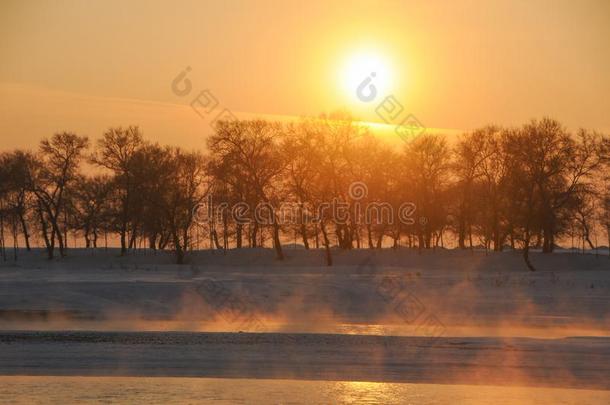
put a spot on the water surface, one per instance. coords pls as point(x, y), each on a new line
point(170, 390)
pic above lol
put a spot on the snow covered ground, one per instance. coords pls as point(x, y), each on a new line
point(386, 292)
point(455, 317)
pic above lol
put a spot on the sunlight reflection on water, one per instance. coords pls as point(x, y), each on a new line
point(320, 326)
point(28, 390)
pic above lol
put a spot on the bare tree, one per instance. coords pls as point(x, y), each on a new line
point(184, 182)
point(91, 206)
point(253, 147)
point(55, 172)
point(472, 152)
point(16, 167)
point(426, 173)
point(115, 152)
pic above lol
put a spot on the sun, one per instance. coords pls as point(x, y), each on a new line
point(359, 67)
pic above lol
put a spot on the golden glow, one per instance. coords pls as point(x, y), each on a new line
point(356, 391)
point(449, 72)
point(360, 66)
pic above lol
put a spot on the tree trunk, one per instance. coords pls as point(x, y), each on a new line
point(238, 236)
point(339, 233)
point(528, 221)
point(253, 242)
point(123, 241)
point(152, 241)
point(420, 240)
point(179, 254)
point(2, 235)
point(56, 232)
point(276, 241)
point(26, 234)
point(462, 234)
point(526, 251)
point(215, 239)
point(329, 258)
point(225, 231)
point(48, 241)
point(304, 235)
point(132, 238)
point(585, 232)
point(496, 236)
point(380, 239)
point(15, 232)
point(370, 236)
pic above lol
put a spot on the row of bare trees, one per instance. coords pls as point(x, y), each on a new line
point(525, 187)
point(145, 190)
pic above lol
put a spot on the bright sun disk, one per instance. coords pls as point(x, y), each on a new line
point(359, 67)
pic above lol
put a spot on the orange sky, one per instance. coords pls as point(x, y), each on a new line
point(87, 65)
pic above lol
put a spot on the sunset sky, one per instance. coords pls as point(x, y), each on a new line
point(86, 65)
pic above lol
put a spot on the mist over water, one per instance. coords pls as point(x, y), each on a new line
point(469, 294)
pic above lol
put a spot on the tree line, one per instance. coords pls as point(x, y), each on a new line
point(524, 187)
